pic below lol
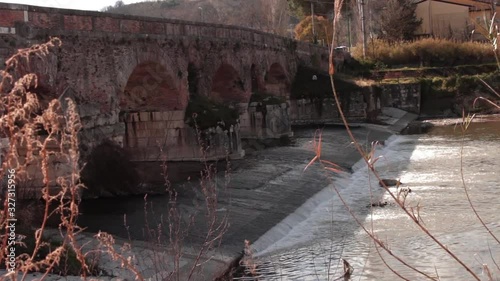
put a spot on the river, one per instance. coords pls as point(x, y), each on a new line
point(430, 166)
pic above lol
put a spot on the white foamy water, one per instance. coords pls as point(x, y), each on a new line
point(308, 245)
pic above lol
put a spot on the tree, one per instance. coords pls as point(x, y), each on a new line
point(397, 20)
point(322, 26)
point(267, 15)
point(119, 4)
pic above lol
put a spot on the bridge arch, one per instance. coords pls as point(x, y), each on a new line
point(227, 85)
point(151, 87)
point(277, 81)
point(152, 107)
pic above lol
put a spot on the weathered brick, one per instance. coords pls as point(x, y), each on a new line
point(152, 27)
point(106, 24)
point(130, 26)
point(44, 20)
point(10, 17)
point(72, 22)
point(144, 116)
point(157, 116)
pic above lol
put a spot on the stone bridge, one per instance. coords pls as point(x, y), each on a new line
point(133, 77)
point(128, 73)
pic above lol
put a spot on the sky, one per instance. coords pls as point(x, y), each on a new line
point(94, 5)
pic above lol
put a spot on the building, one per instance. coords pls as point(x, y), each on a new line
point(454, 19)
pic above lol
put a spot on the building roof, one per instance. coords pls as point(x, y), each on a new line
point(472, 4)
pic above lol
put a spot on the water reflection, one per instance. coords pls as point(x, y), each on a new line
point(430, 166)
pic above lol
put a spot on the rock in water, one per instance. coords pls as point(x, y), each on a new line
point(389, 182)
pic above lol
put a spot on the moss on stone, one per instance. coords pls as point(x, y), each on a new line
point(204, 113)
point(457, 84)
point(266, 99)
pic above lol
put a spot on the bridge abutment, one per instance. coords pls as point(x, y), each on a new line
point(164, 136)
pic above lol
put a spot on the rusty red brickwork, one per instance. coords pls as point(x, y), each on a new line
point(130, 26)
point(152, 27)
point(106, 24)
point(77, 22)
point(9, 17)
point(45, 20)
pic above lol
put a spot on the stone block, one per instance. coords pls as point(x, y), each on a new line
point(155, 141)
point(160, 133)
point(176, 124)
point(151, 125)
point(164, 125)
point(133, 117)
point(157, 116)
point(165, 115)
point(139, 125)
point(137, 133)
point(144, 116)
point(141, 142)
point(176, 115)
point(88, 110)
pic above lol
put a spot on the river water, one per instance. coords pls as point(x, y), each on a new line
point(429, 165)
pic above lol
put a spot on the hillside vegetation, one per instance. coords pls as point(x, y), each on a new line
point(266, 15)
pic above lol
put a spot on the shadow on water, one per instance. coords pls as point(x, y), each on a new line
point(130, 216)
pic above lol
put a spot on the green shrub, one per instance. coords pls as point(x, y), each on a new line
point(210, 113)
point(464, 84)
point(266, 99)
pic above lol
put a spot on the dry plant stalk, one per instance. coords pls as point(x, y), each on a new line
point(412, 212)
point(37, 136)
point(177, 227)
point(248, 260)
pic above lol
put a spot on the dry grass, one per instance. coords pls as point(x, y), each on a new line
point(427, 52)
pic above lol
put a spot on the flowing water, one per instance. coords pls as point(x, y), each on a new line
point(430, 166)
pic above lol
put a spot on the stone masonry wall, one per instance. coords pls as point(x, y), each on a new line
point(305, 111)
point(272, 122)
point(158, 136)
point(357, 105)
point(402, 96)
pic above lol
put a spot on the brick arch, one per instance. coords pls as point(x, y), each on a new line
point(276, 80)
point(151, 87)
point(228, 85)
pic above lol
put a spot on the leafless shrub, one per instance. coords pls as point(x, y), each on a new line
point(37, 136)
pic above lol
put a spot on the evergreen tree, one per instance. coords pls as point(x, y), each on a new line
point(398, 21)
